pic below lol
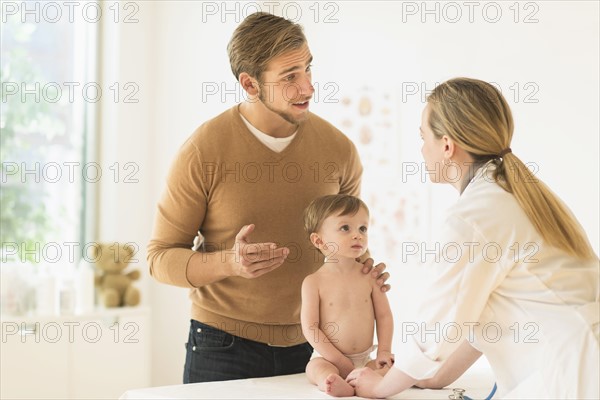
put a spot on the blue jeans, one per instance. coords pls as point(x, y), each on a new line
point(215, 355)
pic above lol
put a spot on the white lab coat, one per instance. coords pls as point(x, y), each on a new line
point(531, 309)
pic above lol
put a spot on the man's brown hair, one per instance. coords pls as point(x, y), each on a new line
point(260, 38)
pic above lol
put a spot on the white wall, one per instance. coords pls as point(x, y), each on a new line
point(125, 197)
point(177, 49)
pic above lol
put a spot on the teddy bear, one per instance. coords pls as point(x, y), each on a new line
point(115, 288)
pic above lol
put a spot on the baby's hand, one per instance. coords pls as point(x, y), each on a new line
point(384, 358)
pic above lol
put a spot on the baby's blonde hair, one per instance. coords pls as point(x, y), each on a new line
point(326, 206)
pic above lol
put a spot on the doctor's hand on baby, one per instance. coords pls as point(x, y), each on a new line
point(364, 381)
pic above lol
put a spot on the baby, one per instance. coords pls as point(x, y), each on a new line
point(340, 304)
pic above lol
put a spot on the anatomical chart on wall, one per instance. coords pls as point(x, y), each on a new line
point(398, 206)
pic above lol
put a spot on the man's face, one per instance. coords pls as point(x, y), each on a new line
point(285, 87)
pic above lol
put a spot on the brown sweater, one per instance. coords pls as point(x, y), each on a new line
point(224, 178)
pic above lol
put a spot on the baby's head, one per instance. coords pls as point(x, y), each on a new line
point(340, 221)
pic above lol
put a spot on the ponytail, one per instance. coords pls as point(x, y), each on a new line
point(550, 217)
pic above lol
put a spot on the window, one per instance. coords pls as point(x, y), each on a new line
point(48, 98)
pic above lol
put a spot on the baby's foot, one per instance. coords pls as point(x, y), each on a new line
point(336, 386)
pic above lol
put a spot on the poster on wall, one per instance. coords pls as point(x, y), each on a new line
point(399, 207)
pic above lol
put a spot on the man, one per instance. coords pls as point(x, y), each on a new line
point(241, 183)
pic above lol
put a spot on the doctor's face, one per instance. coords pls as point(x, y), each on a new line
point(432, 150)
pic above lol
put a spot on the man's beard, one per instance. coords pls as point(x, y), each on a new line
point(285, 115)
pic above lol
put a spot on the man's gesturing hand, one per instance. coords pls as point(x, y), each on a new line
point(251, 260)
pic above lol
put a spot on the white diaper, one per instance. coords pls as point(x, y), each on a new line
point(361, 359)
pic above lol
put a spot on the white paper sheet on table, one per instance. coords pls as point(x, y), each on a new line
point(477, 382)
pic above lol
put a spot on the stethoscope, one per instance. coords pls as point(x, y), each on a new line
point(458, 394)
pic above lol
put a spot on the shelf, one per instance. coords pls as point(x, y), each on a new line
point(97, 313)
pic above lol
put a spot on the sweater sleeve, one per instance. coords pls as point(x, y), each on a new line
point(463, 279)
point(181, 211)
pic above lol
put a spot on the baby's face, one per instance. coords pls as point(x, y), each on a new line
point(345, 235)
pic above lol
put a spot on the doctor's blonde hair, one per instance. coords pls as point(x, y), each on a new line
point(476, 116)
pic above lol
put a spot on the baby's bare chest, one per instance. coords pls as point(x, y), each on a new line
point(345, 295)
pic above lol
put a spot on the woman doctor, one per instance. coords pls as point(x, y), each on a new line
point(522, 282)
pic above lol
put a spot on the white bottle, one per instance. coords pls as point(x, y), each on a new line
point(66, 293)
point(84, 279)
point(47, 292)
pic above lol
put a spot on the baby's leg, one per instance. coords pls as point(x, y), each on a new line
point(327, 377)
point(381, 371)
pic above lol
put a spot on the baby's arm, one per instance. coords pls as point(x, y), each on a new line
point(309, 317)
point(385, 327)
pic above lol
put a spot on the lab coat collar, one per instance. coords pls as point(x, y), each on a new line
point(476, 172)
